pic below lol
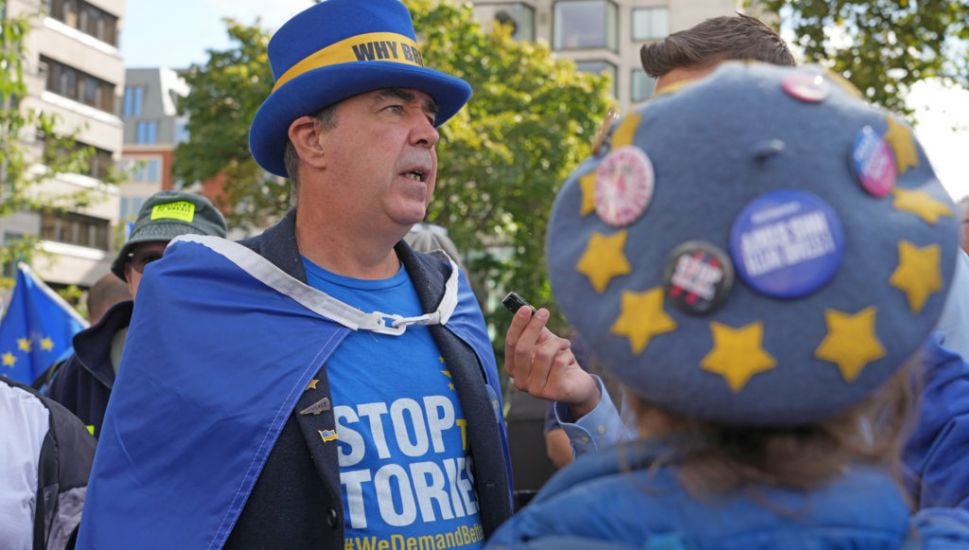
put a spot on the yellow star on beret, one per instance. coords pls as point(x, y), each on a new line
point(604, 259)
point(737, 353)
point(851, 342)
point(588, 185)
point(642, 317)
point(843, 83)
point(921, 204)
point(9, 359)
point(46, 344)
point(626, 131)
point(918, 273)
point(23, 344)
point(900, 138)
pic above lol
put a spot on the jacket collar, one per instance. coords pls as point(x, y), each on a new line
point(93, 344)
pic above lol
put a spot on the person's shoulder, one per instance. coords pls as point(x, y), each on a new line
point(598, 499)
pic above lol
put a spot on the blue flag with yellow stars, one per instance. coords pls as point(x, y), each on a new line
point(36, 330)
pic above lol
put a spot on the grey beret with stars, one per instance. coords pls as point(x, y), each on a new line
point(759, 247)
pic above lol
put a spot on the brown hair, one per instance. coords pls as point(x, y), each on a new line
point(714, 40)
point(716, 458)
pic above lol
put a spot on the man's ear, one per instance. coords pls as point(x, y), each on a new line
point(304, 133)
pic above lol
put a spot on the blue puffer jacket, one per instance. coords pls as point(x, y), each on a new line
point(937, 454)
point(613, 500)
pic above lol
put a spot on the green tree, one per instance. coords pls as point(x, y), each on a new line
point(225, 93)
point(33, 148)
point(529, 123)
point(882, 46)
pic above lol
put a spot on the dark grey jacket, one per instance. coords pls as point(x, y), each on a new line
point(296, 500)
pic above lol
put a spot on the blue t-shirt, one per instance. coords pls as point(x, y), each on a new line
point(405, 472)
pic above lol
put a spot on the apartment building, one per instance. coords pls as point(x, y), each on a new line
point(74, 70)
point(152, 131)
point(603, 35)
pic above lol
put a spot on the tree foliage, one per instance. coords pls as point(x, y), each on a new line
point(34, 149)
point(225, 93)
point(883, 46)
point(530, 121)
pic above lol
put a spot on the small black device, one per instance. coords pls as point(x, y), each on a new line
point(513, 302)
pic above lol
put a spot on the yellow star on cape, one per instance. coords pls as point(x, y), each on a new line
point(46, 344)
point(23, 344)
point(626, 131)
point(918, 274)
point(312, 384)
point(588, 184)
point(921, 204)
point(8, 359)
point(900, 138)
point(604, 259)
point(642, 317)
point(851, 342)
point(737, 353)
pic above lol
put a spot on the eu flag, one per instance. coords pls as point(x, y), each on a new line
point(36, 330)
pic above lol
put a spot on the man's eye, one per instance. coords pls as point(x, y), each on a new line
point(394, 108)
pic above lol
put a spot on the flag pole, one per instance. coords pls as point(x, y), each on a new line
point(52, 294)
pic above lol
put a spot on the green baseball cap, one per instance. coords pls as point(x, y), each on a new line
point(166, 215)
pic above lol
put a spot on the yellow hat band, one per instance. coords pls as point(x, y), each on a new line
point(375, 46)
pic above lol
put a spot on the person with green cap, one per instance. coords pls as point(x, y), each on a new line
point(84, 380)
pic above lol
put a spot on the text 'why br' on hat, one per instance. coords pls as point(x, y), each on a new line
point(338, 49)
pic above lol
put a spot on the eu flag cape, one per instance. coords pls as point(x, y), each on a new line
point(36, 329)
point(215, 360)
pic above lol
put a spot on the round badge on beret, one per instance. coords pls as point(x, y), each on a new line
point(874, 162)
point(807, 87)
point(698, 276)
point(787, 243)
point(624, 186)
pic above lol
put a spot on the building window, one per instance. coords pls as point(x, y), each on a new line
point(598, 66)
point(521, 18)
point(77, 85)
point(146, 132)
point(650, 23)
point(585, 24)
point(130, 206)
point(182, 134)
point(74, 228)
point(643, 86)
point(85, 18)
point(143, 170)
point(134, 97)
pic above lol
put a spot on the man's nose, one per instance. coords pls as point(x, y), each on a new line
point(424, 132)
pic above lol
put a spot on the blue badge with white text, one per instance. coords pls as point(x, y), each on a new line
point(787, 243)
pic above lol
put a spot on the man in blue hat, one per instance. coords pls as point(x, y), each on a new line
point(320, 385)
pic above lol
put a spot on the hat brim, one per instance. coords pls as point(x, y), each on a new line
point(157, 232)
point(311, 92)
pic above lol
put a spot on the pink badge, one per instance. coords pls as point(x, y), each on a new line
point(808, 87)
point(624, 186)
point(874, 162)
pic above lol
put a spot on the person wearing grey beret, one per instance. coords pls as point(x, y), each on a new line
point(763, 286)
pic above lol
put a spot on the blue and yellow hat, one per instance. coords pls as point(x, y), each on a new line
point(760, 247)
point(338, 49)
